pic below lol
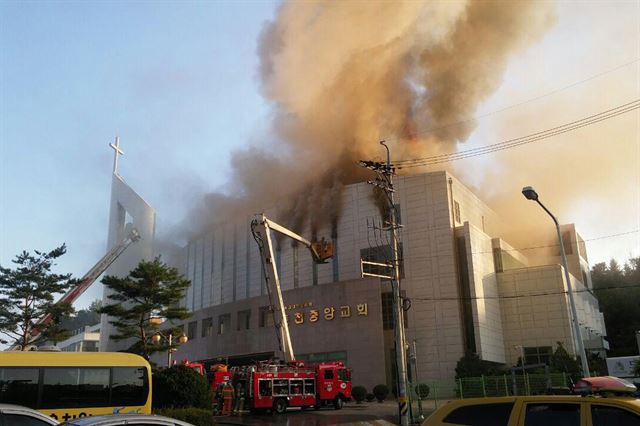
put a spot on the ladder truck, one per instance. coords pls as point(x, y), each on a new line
point(73, 294)
point(277, 386)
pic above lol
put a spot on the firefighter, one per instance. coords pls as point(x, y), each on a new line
point(239, 405)
point(228, 396)
point(218, 399)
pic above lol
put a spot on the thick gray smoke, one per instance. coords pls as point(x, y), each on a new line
point(344, 75)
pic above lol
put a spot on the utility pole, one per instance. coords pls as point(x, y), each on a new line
point(385, 182)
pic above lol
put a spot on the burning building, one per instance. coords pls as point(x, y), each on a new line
point(470, 291)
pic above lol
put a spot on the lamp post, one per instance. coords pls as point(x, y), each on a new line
point(531, 194)
point(156, 338)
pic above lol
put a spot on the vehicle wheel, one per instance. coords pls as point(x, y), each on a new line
point(338, 403)
point(318, 405)
point(280, 406)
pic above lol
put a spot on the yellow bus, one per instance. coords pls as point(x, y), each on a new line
point(69, 385)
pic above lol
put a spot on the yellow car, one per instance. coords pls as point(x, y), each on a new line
point(590, 409)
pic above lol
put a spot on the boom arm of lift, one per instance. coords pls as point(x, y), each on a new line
point(93, 274)
point(321, 251)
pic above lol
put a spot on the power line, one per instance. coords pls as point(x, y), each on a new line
point(620, 234)
point(553, 92)
point(519, 296)
point(512, 143)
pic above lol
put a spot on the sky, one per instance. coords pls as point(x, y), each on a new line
point(178, 83)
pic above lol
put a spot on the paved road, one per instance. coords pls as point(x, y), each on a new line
point(351, 414)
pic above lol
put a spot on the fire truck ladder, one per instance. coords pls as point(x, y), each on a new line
point(91, 276)
point(321, 251)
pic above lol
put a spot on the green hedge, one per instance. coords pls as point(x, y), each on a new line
point(180, 387)
point(195, 416)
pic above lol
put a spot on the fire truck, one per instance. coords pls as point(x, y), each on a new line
point(295, 384)
point(292, 383)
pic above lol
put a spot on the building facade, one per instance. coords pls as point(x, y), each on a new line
point(470, 291)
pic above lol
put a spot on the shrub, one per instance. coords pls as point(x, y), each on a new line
point(180, 387)
point(422, 390)
point(370, 397)
point(381, 392)
point(358, 393)
point(195, 416)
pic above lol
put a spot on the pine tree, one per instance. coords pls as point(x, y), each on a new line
point(27, 294)
point(151, 289)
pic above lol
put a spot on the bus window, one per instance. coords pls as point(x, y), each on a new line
point(343, 374)
point(309, 387)
point(70, 387)
point(129, 386)
point(328, 373)
point(19, 386)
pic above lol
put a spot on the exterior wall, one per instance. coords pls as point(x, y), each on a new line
point(86, 340)
point(127, 207)
point(359, 335)
point(487, 319)
point(225, 268)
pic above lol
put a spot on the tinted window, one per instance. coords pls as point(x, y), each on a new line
point(75, 387)
point(328, 374)
point(18, 420)
point(19, 386)
point(481, 415)
point(129, 386)
point(342, 374)
point(552, 414)
point(613, 416)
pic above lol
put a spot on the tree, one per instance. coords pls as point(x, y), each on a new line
point(27, 294)
point(618, 291)
point(562, 362)
point(83, 317)
point(179, 387)
point(470, 365)
point(151, 289)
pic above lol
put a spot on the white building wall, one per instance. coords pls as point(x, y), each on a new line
point(487, 319)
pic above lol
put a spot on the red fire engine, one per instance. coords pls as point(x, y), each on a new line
point(276, 386)
point(270, 386)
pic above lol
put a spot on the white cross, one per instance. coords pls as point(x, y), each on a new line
point(117, 151)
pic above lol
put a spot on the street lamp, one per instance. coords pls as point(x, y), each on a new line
point(156, 338)
point(531, 194)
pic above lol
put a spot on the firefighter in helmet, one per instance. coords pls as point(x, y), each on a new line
point(228, 395)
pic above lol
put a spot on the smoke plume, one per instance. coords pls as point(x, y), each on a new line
point(341, 76)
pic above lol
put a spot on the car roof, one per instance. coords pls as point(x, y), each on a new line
point(121, 419)
point(19, 409)
point(624, 400)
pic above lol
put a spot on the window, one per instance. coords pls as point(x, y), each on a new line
point(603, 415)
point(481, 415)
point(192, 330)
point(264, 387)
point(295, 386)
point(19, 386)
point(69, 387)
point(537, 355)
point(21, 420)
point(207, 327)
point(552, 414)
point(244, 320)
point(129, 386)
point(224, 322)
point(456, 211)
point(381, 254)
point(318, 357)
point(280, 386)
point(387, 311)
point(309, 386)
point(343, 374)
point(328, 374)
point(265, 318)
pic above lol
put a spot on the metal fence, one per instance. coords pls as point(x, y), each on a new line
point(441, 391)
